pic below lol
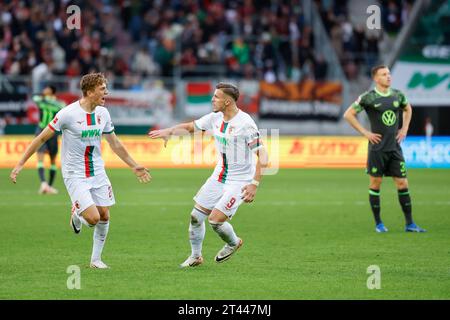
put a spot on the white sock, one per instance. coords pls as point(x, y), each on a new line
point(83, 220)
point(100, 233)
point(76, 220)
point(226, 232)
point(197, 232)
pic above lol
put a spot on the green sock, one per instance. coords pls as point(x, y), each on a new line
point(405, 202)
point(374, 199)
point(52, 175)
point(40, 167)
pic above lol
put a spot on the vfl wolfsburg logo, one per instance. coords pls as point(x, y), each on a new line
point(396, 104)
point(389, 118)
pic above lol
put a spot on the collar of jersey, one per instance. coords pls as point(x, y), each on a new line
point(383, 94)
point(239, 110)
point(79, 105)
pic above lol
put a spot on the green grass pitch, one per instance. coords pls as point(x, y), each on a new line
point(308, 235)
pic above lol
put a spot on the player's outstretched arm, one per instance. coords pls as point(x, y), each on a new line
point(249, 191)
point(350, 116)
point(141, 172)
point(181, 129)
point(407, 115)
point(37, 142)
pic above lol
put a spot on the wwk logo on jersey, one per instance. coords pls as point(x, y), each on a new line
point(92, 133)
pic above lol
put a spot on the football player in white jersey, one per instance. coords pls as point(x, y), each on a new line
point(235, 178)
point(82, 124)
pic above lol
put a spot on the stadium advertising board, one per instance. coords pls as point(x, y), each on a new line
point(147, 107)
point(198, 98)
point(14, 104)
point(423, 69)
point(284, 152)
point(135, 107)
point(425, 84)
point(305, 100)
point(423, 153)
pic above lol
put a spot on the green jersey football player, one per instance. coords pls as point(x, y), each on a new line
point(384, 106)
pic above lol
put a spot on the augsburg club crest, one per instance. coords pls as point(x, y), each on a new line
point(388, 117)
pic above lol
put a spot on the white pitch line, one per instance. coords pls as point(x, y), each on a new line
point(128, 191)
point(182, 190)
point(182, 203)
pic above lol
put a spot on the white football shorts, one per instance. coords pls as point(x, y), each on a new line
point(221, 196)
point(85, 192)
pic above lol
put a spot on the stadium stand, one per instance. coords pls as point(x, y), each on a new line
point(251, 38)
point(247, 40)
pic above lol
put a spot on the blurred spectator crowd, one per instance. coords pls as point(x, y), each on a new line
point(247, 38)
point(358, 47)
point(254, 39)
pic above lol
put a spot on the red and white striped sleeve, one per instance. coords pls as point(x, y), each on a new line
point(56, 123)
point(253, 138)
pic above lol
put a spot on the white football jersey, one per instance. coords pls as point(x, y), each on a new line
point(236, 141)
point(81, 139)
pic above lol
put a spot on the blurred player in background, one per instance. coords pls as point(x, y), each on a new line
point(235, 178)
point(82, 124)
point(48, 107)
point(385, 157)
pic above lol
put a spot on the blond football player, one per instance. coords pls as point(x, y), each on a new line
point(82, 125)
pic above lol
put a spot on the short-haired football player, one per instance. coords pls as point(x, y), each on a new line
point(385, 157)
point(236, 176)
point(48, 106)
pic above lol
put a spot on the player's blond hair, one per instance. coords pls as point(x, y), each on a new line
point(91, 81)
point(229, 89)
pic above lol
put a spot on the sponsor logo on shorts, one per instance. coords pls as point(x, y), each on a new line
point(110, 192)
